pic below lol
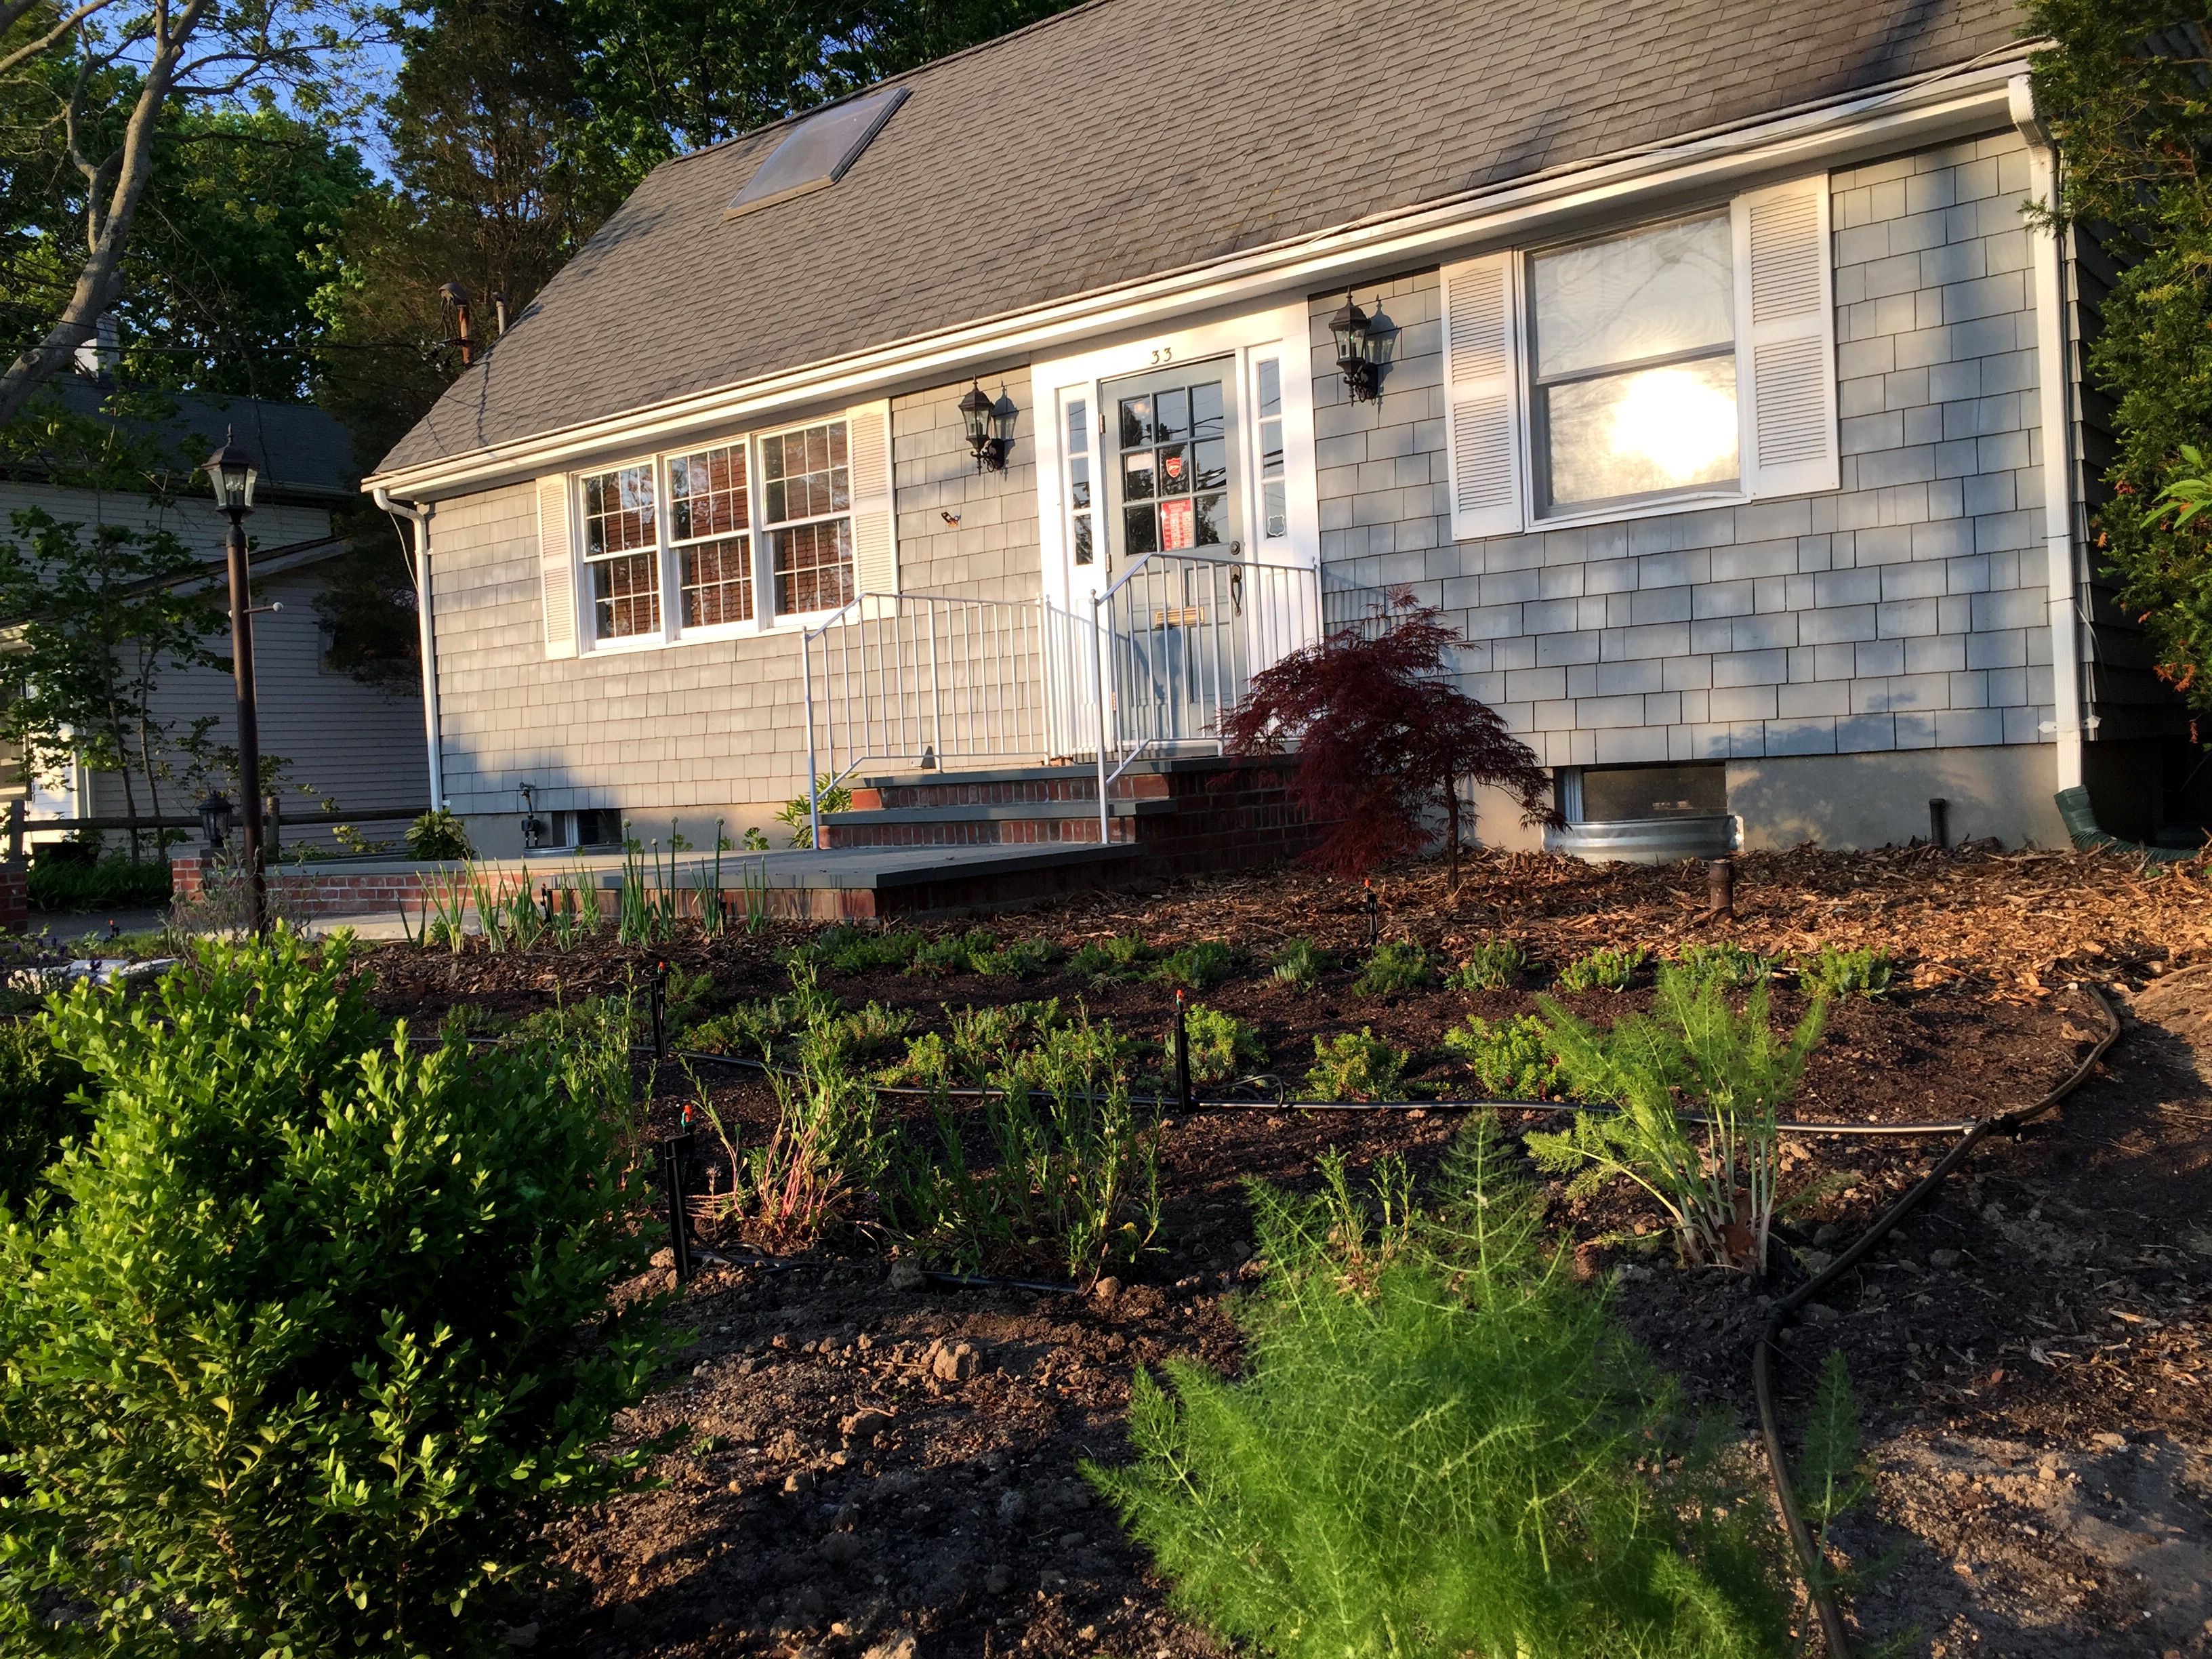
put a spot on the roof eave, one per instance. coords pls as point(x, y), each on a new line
point(1929, 109)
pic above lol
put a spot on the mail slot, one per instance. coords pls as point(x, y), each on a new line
point(1186, 615)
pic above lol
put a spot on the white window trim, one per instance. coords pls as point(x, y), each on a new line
point(1694, 499)
point(1281, 328)
point(668, 552)
point(764, 559)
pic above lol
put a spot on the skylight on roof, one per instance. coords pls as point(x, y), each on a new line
point(815, 154)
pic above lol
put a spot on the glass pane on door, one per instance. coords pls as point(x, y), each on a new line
point(1174, 467)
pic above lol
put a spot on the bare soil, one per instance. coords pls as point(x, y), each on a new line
point(2030, 1347)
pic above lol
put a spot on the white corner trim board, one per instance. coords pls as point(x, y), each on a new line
point(1974, 98)
point(419, 517)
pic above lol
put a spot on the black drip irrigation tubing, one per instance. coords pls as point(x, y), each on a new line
point(1784, 1312)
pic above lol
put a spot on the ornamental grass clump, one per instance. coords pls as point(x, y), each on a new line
point(316, 1336)
point(1300, 964)
point(1716, 1182)
point(1441, 1446)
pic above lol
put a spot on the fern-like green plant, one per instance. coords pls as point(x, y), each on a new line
point(1356, 1066)
point(1513, 1058)
point(1492, 965)
point(1439, 1446)
point(1726, 963)
point(1198, 966)
point(1836, 973)
point(1393, 966)
point(1105, 961)
point(1718, 1185)
point(1300, 964)
point(1602, 970)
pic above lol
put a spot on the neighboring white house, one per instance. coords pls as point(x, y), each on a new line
point(358, 745)
point(1726, 402)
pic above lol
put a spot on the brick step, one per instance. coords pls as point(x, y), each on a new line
point(1041, 791)
point(924, 829)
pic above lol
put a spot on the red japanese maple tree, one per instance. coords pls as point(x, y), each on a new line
point(1382, 734)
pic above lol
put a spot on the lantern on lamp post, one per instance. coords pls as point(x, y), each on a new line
point(232, 473)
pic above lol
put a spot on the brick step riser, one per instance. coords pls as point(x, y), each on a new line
point(1036, 793)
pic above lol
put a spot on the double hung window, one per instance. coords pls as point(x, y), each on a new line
point(807, 508)
point(621, 552)
point(1634, 365)
point(710, 525)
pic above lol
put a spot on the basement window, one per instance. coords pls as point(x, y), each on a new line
point(1615, 795)
point(816, 153)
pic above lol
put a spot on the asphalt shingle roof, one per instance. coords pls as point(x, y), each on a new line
point(1131, 138)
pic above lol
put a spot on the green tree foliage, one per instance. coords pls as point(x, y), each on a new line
point(2124, 93)
point(106, 612)
point(318, 1334)
point(1441, 1446)
point(37, 1107)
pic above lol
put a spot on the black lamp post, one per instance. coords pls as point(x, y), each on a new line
point(1360, 348)
point(230, 469)
point(990, 427)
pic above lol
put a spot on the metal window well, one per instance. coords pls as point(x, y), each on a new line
point(1646, 840)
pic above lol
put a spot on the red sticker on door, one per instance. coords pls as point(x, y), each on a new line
point(1175, 525)
point(1173, 469)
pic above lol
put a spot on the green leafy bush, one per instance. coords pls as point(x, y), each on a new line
point(1725, 963)
point(980, 951)
point(1512, 1058)
point(798, 814)
point(1602, 970)
point(1017, 960)
point(1439, 1447)
point(114, 882)
point(1127, 956)
point(1394, 965)
point(1356, 1067)
point(1300, 964)
point(1836, 973)
point(439, 835)
point(1198, 966)
point(1492, 965)
point(1718, 1187)
point(36, 1110)
point(297, 1366)
point(1220, 1046)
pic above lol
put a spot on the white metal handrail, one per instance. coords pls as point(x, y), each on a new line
point(926, 678)
point(1184, 633)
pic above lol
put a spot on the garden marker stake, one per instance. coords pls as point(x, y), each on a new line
point(1374, 917)
point(1181, 1051)
point(674, 1153)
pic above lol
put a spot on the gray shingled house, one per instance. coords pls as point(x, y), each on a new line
point(1711, 380)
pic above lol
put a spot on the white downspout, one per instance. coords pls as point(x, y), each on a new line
point(2051, 376)
point(420, 518)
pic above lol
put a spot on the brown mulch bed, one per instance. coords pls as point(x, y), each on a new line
point(2045, 1300)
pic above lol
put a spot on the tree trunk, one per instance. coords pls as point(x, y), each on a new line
point(99, 280)
point(1451, 831)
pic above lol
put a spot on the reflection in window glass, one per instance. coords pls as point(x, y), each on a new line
point(707, 494)
point(621, 552)
point(805, 474)
point(1615, 793)
point(1274, 498)
point(1653, 430)
point(717, 582)
point(805, 483)
point(813, 566)
point(1635, 364)
point(1174, 449)
point(1079, 479)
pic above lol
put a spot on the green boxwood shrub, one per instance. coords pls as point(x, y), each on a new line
point(1513, 1058)
point(1221, 1045)
point(320, 1333)
point(1394, 965)
point(36, 1106)
point(115, 882)
point(1356, 1066)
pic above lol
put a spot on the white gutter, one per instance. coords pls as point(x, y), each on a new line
point(2053, 374)
point(419, 516)
point(1954, 105)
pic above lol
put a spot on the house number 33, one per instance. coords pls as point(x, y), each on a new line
point(1163, 355)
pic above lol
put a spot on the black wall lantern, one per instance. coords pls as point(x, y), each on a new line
point(990, 427)
point(214, 818)
point(1362, 349)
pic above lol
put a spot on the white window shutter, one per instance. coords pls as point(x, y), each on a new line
point(868, 461)
point(556, 568)
point(1786, 339)
point(1482, 396)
